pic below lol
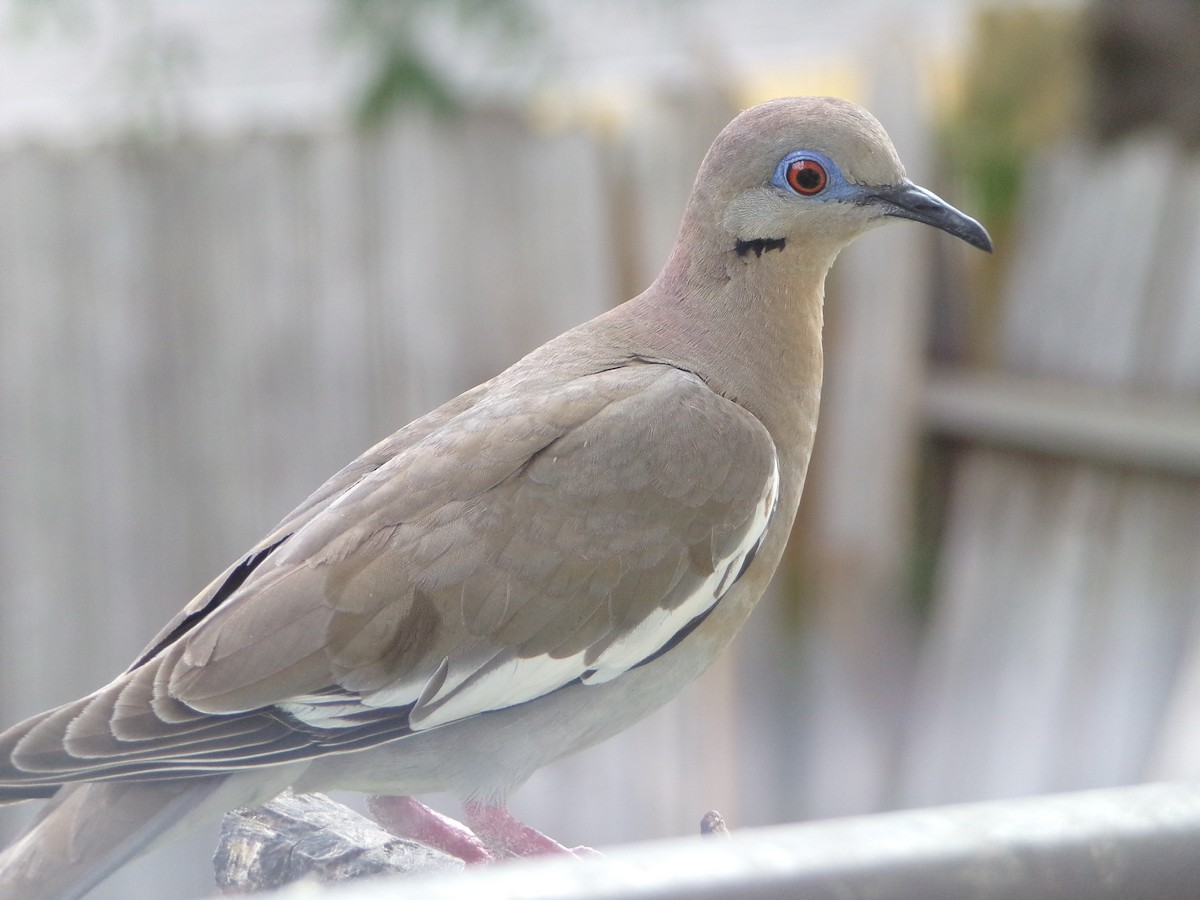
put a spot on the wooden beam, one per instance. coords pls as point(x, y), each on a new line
point(1148, 431)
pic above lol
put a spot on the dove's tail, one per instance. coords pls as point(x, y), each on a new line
point(88, 830)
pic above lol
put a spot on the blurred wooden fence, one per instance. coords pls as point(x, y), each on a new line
point(193, 336)
point(1064, 649)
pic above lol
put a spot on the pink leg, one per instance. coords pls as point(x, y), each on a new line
point(505, 836)
point(410, 818)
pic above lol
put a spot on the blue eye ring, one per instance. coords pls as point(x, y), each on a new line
point(811, 175)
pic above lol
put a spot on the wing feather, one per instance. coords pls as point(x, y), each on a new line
point(526, 536)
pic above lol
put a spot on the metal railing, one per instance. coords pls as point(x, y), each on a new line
point(1136, 842)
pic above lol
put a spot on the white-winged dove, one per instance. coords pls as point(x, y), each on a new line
point(519, 574)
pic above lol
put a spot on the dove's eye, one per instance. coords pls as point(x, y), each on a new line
point(806, 177)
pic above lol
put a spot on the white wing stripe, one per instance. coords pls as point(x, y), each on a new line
point(464, 693)
point(663, 624)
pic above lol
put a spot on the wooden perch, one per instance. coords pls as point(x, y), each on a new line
point(298, 836)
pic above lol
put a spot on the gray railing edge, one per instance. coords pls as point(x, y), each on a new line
point(1141, 841)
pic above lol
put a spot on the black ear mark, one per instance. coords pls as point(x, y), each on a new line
point(758, 246)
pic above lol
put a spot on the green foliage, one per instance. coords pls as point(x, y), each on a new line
point(395, 36)
point(1024, 92)
point(1023, 95)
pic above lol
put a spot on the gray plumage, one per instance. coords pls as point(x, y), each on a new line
point(522, 572)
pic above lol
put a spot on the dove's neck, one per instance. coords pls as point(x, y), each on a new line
point(748, 323)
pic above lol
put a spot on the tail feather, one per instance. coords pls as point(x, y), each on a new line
point(10, 795)
point(88, 830)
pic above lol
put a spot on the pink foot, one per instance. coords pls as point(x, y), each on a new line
point(496, 827)
point(410, 818)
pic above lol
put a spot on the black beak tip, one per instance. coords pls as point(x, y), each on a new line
point(978, 237)
point(908, 201)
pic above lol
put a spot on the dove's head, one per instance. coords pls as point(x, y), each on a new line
point(817, 170)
